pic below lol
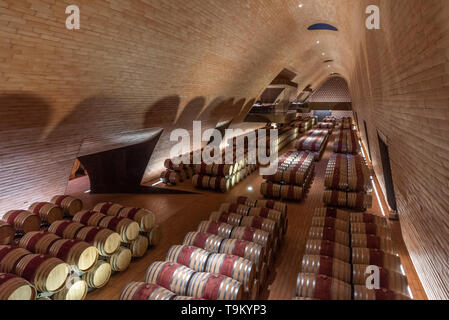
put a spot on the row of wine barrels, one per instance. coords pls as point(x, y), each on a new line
point(329, 222)
point(70, 205)
point(13, 287)
point(23, 220)
point(292, 192)
point(192, 257)
point(363, 293)
point(145, 291)
point(7, 233)
point(387, 279)
point(73, 291)
point(329, 249)
point(336, 176)
point(311, 143)
point(335, 198)
point(270, 204)
point(357, 217)
point(106, 241)
point(371, 228)
point(144, 217)
point(331, 267)
point(108, 208)
point(38, 241)
point(171, 276)
point(374, 257)
point(48, 212)
point(331, 213)
point(120, 260)
point(99, 275)
point(358, 174)
point(358, 201)
point(322, 287)
point(318, 132)
point(330, 234)
point(172, 178)
point(214, 287)
point(325, 125)
point(372, 242)
point(66, 229)
point(10, 256)
point(346, 142)
point(169, 164)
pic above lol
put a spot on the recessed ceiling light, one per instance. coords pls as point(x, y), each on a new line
point(323, 54)
point(300, 5)
point(318, 42)
point(329, 66)
point(250, 189)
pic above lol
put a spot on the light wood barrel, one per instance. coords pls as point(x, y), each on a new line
point(327, 266)
point(357, 217)
point(270, 204)
point(108, 208)
point(171, 276)
point(295, 176)
point(291, 192)
point(46, 273)
point(214, 287)
point(335, 198)
point(189, 256)
point(106, 241)
point(246, 201)
point(120, 260)
point(201, 181)
point(244, 249)
point(258, 236)
point(204, 169)
point(239, 209)
point(220, 184)
point(220, 229)
point(144, 217)
point(331, 234)
point(75, 252)
point(48, 212)
point(375, 257)
point(127, 228)
point(13, 287)
point(154, 236)
point(262, 224)
point(328, 248)
point(271, 214)
point(391, 280)
point(222, 170)
point(372, 242)
point(330, 223)
point(7, 233)
point(65, 228)
point(70, 205)
point(99, 275)
point(139, 247)
point(206, 241)
point(89, 218)
point(332, 213)
point(73, 291)
point(38, 241)
point(233, 267)
point(186, 298)
point(270, 190)
point(10, 256)
point(371, 228)
point(359, 200)
point(170, 177)
point(322, 287)
point(229, 218)
point(23, 220)
point(363, 293)
point(145, 291)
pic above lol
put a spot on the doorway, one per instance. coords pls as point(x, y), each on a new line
point(388, 177)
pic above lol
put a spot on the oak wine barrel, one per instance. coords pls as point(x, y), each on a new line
point(145, 291)
point(48, 212)
point(38, 241)
point(374, 257)
point(120, 260)
point(359, 200)
point(73, 291)
point(372, 242)
point(13, 287)
point(220, 184)
point(371, 228)
point(267, 225)
point(108, 208)
point(10, 256)
point(171, 177)
point(335, 198)
point(214, 287)
point(220, 229)
point(328, 248)
point(144, 217)
point(229, 218)
point(154, 236)
point(239, 209)
point(363, 293)
point(270, 190)
point(327, 266)
point(65, 228)
point(222, 170)
point(127, 228)
point(89, 218)
point(171, 276)
point(330, 223)
point(106, 241)
point(204, 169)
point(70, 205)
point(23, 220)
point(186, 298)
point(206, 241)
point(201, 181)
point(244, 249)
point(76, 253)
point(170, 165)
point(99, 275)
point(332, 213)
point(291, 192)
point(189, 256)
point(358, 217)
point(331, 234)
point(270, 204)
point(139, 247)
point(322, 287)
point(258, 236)
point(7, 233)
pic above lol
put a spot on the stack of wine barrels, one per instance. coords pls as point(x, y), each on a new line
point(326, 125)
point(314, 141)
point(330, 119)
point(346, 142)
point(175, 172)
point(292, 179)
point(343, 250)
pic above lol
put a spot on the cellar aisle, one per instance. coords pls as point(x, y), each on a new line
point(179, 214)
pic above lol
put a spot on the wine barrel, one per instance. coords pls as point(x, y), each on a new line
point(13, 287)
point(214, 287)
point(204, 169)
point(271, 214)
point(330, 234)
point(170, 165)
point(335, 198)
point(322, 287)
point(330, 223)
point(374, 257)
point(222, 170)
point(139, 246)
point(186, 298)
point(189, 256)
point(89, 218)
point(99, 275)
point(108, 208)
point(46, 273)
point(229, 218)
point(48, 212)
point(328, 248)
point(7, 233)
point(10, 256)
point(372, 242)
point(246, 201)
point(75, 252)
point(239, 209)
point(73, 291)
point(145, 291)
point(65, 229)
point(391, 280)
point(327, 266)
point(144, 217)
point(171, 276)
point(220, 184)
point(244, 249)
point(331, 213)
point(23, 221)
point(127, 228)
point(291, 192)
point(267, 225)
point(220, 229)
point(363, 293)
point(270, 190)
point(371, 228)
point(70, 205)
point(154, 236)
point(170, 178)
point(106, 241)
point(258, 236)
point(357, 217)
point(255, 290)
point(270, 204)
point(38, 241)
point(233, 267)
point(201, 181)
point(206, 241)
point(360, 201)
point(295, 176)
point(120, 260)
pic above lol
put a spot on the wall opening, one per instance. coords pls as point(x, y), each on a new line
point(367, 140)
point(388, 177)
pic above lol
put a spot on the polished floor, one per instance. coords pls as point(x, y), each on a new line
point(179, 214)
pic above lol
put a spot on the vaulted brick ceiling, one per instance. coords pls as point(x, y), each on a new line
point(142, 64)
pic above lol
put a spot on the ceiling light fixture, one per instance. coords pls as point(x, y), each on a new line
point(300, 5)
point(318, 42)
point(323, 54)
